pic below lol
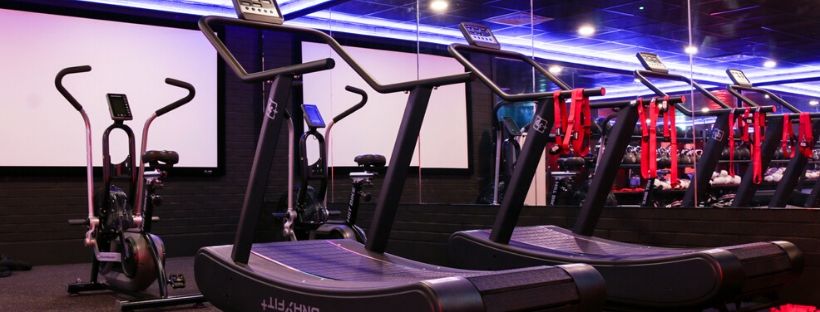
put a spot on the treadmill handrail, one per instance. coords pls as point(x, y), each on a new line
point(733, 89)
point(534, 96)
point(674, 100)
point(205, 27)
point(642, 76)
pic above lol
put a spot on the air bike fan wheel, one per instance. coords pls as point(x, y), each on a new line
point(137, 271)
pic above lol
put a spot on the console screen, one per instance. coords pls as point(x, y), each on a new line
point(479, 35)
point(312, 116)
point(119, 107)
point(652, 62)
point(738, 77)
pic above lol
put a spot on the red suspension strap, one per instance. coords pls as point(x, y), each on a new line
point(579, 122)
point(649, 139)
point(671, 131)
point(806, 138)
point(759, 120)
point(732, 143)
point(786, 139)
point(560, 114)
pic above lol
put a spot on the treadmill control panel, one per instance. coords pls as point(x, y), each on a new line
point(118, 105)
point(265, 11)
point(479, 35)
point(652, 62)
point(312, 116)
point(738, 77)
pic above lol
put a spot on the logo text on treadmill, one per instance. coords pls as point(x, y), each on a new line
point(282, 305)
point(540, 124)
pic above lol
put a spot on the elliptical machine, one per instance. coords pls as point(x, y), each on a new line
point(126, 255)
point(308, 217)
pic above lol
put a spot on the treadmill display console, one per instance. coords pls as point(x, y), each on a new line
point(652, 62)
point(738, 77)
point(312, 116)
point(265, 11)
point(479, 35)
point(118, 105)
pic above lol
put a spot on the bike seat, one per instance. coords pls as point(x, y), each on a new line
point(370, 161)
point(161, 159)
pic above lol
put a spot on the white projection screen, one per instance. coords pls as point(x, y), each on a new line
point(372, 130)
point(39, 128)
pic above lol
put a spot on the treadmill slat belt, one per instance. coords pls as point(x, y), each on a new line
point(332, 260)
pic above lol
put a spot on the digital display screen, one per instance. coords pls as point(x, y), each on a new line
point(652, 62)
point(119, 107)
point(479, 35)
point(312, 116)
point(738, 77)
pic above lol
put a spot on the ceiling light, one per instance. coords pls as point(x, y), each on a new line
point(586, 30)
point(766, 96)
point(814, 102)
point(691, 50)
point(640, 8)
point(439, 5)
point(769, 64)
point(555, 69)
point(637, 80)
point(704, 110)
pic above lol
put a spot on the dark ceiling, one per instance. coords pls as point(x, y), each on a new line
point(737, 31)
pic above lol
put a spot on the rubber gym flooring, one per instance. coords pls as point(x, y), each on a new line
point(44, 289)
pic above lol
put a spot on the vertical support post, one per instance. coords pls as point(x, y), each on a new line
point(708, 162)
point(795, 169)
point(516, 192)
point(746, 190)
point(606, 171)
point(275, 113)
point(394, 179)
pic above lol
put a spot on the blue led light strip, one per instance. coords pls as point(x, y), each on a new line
point(377, 27)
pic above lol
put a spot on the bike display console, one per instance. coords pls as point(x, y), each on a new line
point(118, 105)
point(652, 62)
point(312, 116)
point(479, 35)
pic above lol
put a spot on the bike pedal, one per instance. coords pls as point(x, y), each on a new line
point(176, 281)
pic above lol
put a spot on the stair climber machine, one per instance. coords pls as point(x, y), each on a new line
point(779, 135)
point(638, 277)
point(343, 274)
point(312, 220)
point(126, 255)
point(506, 149)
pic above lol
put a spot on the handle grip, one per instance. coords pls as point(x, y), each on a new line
point(78, 221)
point(58, 81)
point(180, 102)
point(354, 107)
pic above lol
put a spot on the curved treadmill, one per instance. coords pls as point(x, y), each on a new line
point(344, 275)
point(638, 277)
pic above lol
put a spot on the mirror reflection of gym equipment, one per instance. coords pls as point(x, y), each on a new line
point(421, 155)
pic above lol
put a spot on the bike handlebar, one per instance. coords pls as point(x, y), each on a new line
point(58, 81)
point(353, 108)
point(180, 102)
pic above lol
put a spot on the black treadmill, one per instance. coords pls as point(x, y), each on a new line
point(638, 277)
point(774, 130)
point(344, 275)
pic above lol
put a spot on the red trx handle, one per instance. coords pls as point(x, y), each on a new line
point(786, 139)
